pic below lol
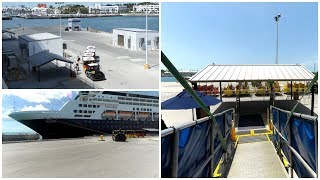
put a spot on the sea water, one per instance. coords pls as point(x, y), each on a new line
point(106, 24)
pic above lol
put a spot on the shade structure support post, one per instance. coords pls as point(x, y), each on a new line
point(194, 86)
point(39, 73)
point(220, 91)
point(312, 100)
point(291, 90)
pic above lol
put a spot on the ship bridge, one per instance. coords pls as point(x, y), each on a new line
point(273, 135)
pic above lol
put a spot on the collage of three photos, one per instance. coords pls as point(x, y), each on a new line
point(159, 89)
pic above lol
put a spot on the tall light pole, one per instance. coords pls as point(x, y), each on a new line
point(60, 14)
point(146, 65)
point(277, 18)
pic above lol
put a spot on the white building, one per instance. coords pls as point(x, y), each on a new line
point(39, 11)
point(143, 8)
point(134, 39)
point(35, 43)
point(107, 9)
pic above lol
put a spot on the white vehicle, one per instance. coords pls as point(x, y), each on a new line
point(91, 47)
point(88, 54)
point(90, 51)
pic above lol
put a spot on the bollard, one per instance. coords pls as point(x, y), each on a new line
point(146, 66)
point(269, 119)
point(101, 138)
point(233, 132)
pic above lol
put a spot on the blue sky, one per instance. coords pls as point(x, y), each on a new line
point(194, 35)
point(17, 100)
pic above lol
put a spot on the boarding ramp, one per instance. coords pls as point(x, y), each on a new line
point(256, 157)
point(194, 149)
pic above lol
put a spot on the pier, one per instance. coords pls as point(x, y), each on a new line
point(122, 68)
point(82, 158)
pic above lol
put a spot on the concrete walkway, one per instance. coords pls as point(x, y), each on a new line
point(256, 160)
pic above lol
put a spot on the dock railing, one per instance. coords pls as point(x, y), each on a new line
point(194, 149)
point(297, 141)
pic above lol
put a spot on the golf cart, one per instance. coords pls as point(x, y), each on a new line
point(93, 72)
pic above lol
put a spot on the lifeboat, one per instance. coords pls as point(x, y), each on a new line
point(143, 115)
point(109, 114)
point(125, 114)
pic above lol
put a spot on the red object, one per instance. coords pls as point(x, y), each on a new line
point(42, 6)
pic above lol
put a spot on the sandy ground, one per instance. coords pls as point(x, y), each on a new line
point(83, 157)
point(176, 117)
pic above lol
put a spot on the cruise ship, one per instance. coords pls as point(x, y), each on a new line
point(94, 112)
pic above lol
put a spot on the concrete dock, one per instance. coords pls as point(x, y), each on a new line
point(123, 68)
point(82, 158)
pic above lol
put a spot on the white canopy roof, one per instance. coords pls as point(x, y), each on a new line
point(88, 54)
point(88, 58)
point(236, 73)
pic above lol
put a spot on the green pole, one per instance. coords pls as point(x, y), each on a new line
point(188, 88)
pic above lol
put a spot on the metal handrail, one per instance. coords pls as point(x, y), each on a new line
point(304, 163)
point(304, 116)
point(189, 124)
point(175, 131)
point(288, 142)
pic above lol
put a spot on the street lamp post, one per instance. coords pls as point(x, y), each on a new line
point(277, 18)
point(60, 14)
point(146, 65)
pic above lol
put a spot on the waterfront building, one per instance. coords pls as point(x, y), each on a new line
point(40, 10)
point(107, 9)
point(134, 39)
point(154, 8)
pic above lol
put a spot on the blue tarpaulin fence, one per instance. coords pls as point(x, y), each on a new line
point(301, 134)
point(190, 155)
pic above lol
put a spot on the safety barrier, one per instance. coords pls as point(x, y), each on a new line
point(194, 149)
point(298, 140)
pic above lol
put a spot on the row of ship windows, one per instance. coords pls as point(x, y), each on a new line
point(79, 115)
point(141, 100)
point(89, 105)
point(143, 109)
point(83, 111)
point(97, 99)
point(141, 104)
point(110, 122)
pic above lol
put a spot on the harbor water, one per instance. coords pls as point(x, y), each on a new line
point(13, 127)
point(100, 23)
point(168, 79)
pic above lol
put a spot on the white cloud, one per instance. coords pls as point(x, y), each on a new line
point(35, 108)
point(7, 111)
point(39, 96)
